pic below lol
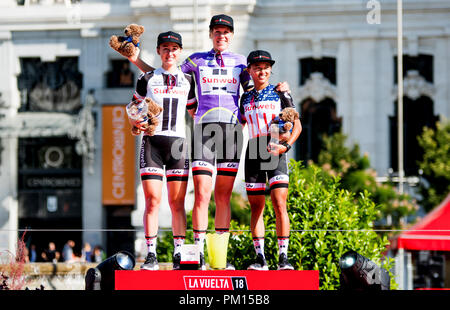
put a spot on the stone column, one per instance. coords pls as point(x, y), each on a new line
point(92, 210)
point(384, 106)
point(441, 74)
point(8, 195)
point(363, 77)
point(9, 102)
point(344, 86)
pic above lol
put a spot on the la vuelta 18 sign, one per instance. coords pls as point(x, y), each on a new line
point(238, 280)
point(214, 283)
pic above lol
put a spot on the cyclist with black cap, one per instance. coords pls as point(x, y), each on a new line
point(174, 91)
point(265, 160)
point(219, 74)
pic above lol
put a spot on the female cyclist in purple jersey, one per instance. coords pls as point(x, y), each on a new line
point(217, 133)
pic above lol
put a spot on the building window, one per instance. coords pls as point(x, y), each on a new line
point(416, 115)
point(120, 74)
point(421, 63)
point(325, 65)
point(49, 191)
point(318, 119)
point(50, 86)
point(318, 106)
point(418, 110)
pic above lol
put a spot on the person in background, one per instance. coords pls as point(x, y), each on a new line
point(98, 255)
point(33, 255)
point(50, 254)
point(67, 252)
point(25, 255)
point(86, 253)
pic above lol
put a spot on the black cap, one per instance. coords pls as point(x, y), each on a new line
point(169, 36)
point(259, 56)
point(221, 20)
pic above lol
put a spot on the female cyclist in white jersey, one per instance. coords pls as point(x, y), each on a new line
point(174, 91)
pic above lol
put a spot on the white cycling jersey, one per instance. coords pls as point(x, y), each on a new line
point(174, 92)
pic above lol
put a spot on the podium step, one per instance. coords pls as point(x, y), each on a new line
point(237, 280)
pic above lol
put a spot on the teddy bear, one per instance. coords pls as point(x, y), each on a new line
point(127, 45)
point(151, 118)
point(280, 127)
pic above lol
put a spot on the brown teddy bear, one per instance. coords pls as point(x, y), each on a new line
point(153, 111)
point(281, 126)
point(127, 45)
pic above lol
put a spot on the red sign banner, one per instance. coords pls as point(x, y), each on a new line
point(238, 280)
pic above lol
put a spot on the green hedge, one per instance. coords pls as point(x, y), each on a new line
point(326, 222)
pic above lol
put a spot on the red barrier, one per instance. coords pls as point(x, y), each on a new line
point(216, 280)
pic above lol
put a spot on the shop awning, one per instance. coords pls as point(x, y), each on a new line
point(431, 233)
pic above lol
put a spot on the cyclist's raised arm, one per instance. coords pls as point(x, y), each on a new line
point(246, 80)
point(283, 87)
point(138, 62)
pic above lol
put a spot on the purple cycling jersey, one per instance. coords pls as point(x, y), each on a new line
point(218, 77)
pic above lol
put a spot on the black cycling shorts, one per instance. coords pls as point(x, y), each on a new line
point(216, 143)
point(159, 151)
point(261, 166)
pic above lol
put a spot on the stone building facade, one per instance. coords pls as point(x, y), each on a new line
point(338, 57)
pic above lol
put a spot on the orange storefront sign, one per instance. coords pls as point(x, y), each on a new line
point(118, 157)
